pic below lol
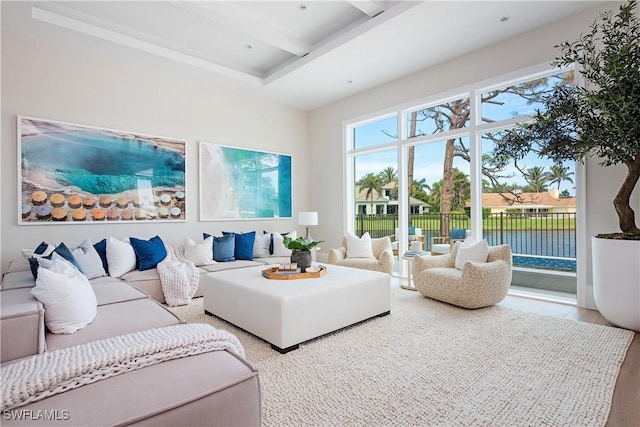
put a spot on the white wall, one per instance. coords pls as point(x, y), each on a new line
point(45, 80)
point(529, 50)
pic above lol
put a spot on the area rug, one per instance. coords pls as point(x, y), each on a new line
point(432, 364)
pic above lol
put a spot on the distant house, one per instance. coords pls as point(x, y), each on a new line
point(385, 203)
point(548, 202)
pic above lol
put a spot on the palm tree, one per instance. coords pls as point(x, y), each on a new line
point(558, 174)
point(372, 184)
point(537, 179)
point(390, 175)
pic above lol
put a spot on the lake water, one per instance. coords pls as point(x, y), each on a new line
point(100, 163)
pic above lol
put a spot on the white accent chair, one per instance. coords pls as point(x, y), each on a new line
point(382, 252)
point(477, 285)
point(441, 245)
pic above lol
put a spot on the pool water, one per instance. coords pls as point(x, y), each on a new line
point(544, 263)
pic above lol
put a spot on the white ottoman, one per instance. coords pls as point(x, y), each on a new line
point(286, 313)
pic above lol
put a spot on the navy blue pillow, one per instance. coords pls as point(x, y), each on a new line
point(224, 248)
point(148, 252)
point(243, 244)
point(101, 248)
point(61, 250)
point(458, 233)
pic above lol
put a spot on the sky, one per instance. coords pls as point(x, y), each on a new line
point(429, 157)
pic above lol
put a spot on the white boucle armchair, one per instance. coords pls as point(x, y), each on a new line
point(476, 285)
point(382, 252)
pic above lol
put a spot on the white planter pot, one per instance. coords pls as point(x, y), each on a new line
point(616, 280)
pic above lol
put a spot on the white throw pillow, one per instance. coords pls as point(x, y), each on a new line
point(278, 246)
point(261, 245)
point(199, 253)
point(359, 247)
point(67, 296)
point(88, 259)
point(121, 257)
point(470, 250)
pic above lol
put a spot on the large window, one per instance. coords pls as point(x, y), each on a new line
point(432, 169)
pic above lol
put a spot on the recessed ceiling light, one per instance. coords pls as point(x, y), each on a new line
point(349, 81)
point(504, 18)
point(248, 46)
point(302, 6)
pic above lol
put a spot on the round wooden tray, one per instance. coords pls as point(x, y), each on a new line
point(270, 273)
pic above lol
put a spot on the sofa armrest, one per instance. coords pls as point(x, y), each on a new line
point(386, 260)
point(337, 254)
point(21, 325)
point(422, 262)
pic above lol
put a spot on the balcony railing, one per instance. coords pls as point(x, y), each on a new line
point(539, 234)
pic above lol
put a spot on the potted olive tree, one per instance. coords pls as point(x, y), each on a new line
point(300, 250)
point(600, 118)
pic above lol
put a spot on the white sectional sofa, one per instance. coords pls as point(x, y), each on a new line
point(210, 388)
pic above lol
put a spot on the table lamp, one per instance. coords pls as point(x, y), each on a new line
point(307, 219)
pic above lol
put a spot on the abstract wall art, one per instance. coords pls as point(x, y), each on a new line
point(76, 174)
point(238, 183)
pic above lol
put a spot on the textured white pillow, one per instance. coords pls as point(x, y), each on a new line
point(278, 246)
point(470, 250)
point(67, 296)
point(261, 245)
point(359, 247)
point(88, 259)
point(199, 253)
point(121, 258)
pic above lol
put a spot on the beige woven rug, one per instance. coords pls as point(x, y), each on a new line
point(430, 363)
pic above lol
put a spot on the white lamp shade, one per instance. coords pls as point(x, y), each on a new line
point(308, 218)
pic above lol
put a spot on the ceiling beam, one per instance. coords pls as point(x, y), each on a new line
point(136, 43)
point(231, 16)
point(368, 7)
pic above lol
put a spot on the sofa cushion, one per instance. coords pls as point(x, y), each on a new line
point(17, 280)
point(470, 250)
point(359, 247)
point(278, 243)
point(261, 245)
point(101, 248)
point(199, 253)
point(148, 252)
point(121, 258)
point(243, 244)
point(62, 250)
point(117, 319)
point(67, 296)
point(88, 259)
point(224, 248)
point(110, 290)
point(43, 249)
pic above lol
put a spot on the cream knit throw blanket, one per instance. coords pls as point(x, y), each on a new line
point(179, 277)
point(43, 375)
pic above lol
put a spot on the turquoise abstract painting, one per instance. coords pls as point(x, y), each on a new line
point(238, 183)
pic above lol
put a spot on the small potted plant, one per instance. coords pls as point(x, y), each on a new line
point(300, 250)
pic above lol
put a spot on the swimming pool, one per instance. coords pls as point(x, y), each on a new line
point(544, 263)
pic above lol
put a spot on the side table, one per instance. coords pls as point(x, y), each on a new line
point(408, 256)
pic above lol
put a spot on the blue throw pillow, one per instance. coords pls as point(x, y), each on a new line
point(148, 252)
point(224, 248)
point(243, 244)
point(412, 231)
point(101, 248)
point(61, 250)
point(458, 233)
